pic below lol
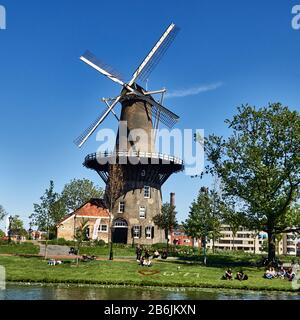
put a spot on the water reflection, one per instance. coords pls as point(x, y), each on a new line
point(15, 292)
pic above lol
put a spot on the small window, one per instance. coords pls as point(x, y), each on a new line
point(121, 207)
point(148, 232)
point(147, 192)
point(103, 228)
point(136, 232)
point(142, 212)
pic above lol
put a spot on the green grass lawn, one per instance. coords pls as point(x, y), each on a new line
point(104, 251)
point(19, 248)
point(163, 273)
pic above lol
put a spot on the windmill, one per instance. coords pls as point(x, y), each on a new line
point(131, 88)
point(140, 179)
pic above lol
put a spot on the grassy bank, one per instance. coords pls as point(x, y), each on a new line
point(19, 269)
point(19, 248)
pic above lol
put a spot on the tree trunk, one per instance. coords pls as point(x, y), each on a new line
point(167, 238)
point(271, 246)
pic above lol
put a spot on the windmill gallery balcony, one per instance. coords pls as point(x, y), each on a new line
point(139, 165)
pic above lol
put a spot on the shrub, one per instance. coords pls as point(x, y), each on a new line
point(100, 243)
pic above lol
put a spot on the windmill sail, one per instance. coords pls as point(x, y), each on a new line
point(90, 59)
point(155, 55)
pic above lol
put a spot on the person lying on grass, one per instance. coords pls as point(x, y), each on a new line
point(53, 262)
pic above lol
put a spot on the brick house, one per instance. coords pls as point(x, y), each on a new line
point(97, 215)
point(179, 237)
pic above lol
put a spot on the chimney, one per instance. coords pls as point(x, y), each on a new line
point(172, 199)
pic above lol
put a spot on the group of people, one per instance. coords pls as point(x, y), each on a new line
point(145, 259)
point(281, 273)
point(239, 276)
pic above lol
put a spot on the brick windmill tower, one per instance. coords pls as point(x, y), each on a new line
point(134, 172)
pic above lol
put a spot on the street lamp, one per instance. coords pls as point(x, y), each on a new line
point(111, 254)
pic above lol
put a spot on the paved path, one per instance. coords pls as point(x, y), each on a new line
point(54, 250)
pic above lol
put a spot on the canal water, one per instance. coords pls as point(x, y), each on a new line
point(64, 292)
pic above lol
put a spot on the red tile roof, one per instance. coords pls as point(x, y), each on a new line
point(93, 208)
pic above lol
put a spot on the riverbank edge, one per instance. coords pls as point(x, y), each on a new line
point(148, 284)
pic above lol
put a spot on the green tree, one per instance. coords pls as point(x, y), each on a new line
point(48, 213)
point(2, 233)
point(2, 213)
point(80, 234)
point(259, 164)
point(79, 191)
point(203, 221)
point(166, 220)
point(17, 227)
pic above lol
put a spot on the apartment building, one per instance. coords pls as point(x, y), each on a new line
point(253, 242)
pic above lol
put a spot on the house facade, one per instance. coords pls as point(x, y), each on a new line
point(94, 213)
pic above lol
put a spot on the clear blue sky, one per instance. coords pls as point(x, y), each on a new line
point(47, 95)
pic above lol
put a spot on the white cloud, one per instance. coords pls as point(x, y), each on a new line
point(193, 91)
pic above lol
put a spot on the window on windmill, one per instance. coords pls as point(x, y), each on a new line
point(142, 212)
point(149, 232)
point(147, 192)
point(136, 232)
point(121, 207)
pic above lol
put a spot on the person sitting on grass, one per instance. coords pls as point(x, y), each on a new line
point(156, 254)
point(270, 273)
point(164, 254)
point(147, 262)
point(281, 273)
point(241, 276)
point(227, 275)
point(141, 262)
point(290, 274)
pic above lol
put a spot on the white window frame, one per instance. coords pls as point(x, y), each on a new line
point(148, 236)
point(136, 236)
point(102, 225)
point(142, 209)
point(149, 191)
point(123, 205)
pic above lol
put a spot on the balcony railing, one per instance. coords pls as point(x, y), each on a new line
point(152, 155)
